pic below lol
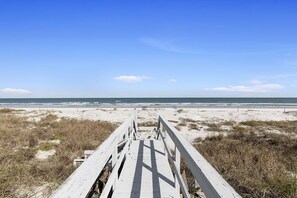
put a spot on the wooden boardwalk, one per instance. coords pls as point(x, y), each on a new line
point(146, 173)
point(139, 166)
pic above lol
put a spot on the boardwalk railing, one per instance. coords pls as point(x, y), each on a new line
point(211, 182)
point(82, 181)
point(114, 149)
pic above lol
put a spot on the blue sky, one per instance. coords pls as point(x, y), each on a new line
point(59, 48)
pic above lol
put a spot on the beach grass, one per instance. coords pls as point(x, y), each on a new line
point(20, 140)
point(255, 163)
point(283, 126)
point(148, 124)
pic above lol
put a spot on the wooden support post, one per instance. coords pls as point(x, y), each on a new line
point(135, 120)
point(177, 164)
point(162, 130)
point(134, 131)
point(114, 160)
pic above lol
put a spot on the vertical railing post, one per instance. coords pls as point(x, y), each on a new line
point(135, 122)
point(166, 136)
point(135, 119)
point(115, 159)
point(162, 130)
point(177, 164)
point(133, 125)
point(158, 128)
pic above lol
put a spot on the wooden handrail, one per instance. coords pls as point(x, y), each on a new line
point(211, 182)
point(81, 181)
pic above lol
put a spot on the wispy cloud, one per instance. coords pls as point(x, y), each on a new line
point(14, 91)
point(131, 78)
point(253, 87)
point(170, 45)
point(165, 45)
point(172, 80)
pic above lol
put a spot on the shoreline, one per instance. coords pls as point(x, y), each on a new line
point(158, 106)
point(148, 103)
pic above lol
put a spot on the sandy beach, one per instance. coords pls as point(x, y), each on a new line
point(50, 135)
point(203, 116)
point(51, 138)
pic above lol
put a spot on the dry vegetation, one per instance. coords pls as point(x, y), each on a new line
point(148, 124)
point(6, 110)
point(258, 158)
point(10, 110)
point(192, 124)
point(20, 140)
point(256, 163)
point(283, 126)
point(180, 111)
point(213, 127)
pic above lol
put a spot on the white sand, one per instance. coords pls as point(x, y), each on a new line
point(43, 155)
point(208, 114)
point(151, 114)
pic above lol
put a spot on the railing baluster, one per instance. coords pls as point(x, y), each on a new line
point(115, 159)
point(177, 164)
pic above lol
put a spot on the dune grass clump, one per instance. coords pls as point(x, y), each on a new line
point(148, 124)
point(255, 165)
point(283, 126)
point(193, 126)
point(213, 127)
point(182, 124)
point(20, 140)
point(180, 110)
point(6, 110)
point(45, 146)
point(48, 121)
point(252, 123)
point(239, 129)
point(56, 137)
point(185, 121)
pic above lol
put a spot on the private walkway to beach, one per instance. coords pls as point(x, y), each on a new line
point(143, 162)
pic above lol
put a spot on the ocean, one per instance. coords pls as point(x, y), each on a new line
point(148, 102)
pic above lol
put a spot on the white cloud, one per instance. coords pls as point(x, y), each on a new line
point(172, 80)
point(131, 78)
point(255, 87)
point(14, 91)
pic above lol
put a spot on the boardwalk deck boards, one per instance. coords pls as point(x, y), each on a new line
point(146, 172)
